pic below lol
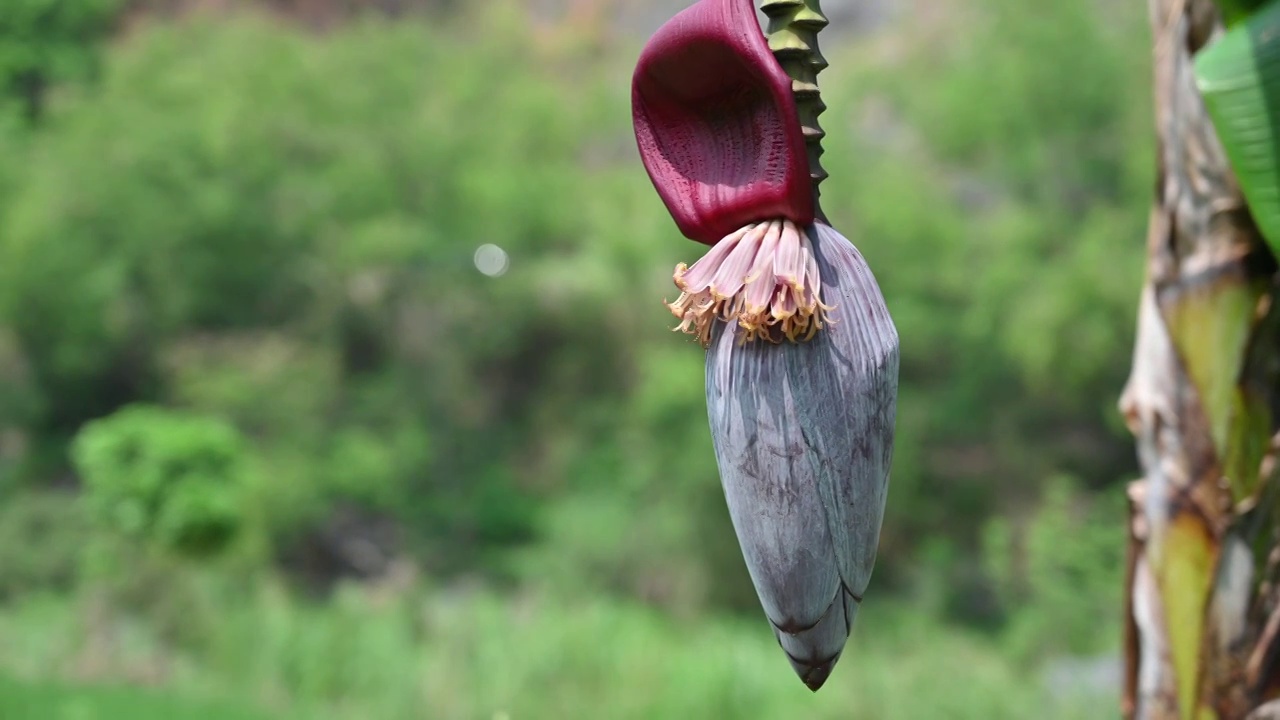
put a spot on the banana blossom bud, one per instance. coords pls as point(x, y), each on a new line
point(802, 356)
point(803, 435)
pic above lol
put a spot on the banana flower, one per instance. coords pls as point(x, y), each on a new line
point(801, 354)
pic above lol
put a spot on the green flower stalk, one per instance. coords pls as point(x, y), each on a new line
point(793, 38)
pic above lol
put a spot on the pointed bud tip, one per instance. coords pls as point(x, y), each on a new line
point(813, 676)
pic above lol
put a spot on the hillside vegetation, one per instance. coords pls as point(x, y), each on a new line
point(269, 439)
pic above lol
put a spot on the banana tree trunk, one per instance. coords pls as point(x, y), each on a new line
point(1202, 601)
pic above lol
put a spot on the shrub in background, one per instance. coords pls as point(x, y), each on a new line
point(164, 477)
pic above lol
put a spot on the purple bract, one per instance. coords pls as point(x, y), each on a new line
point(716, 124)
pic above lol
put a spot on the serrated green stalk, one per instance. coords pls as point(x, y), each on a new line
point(793, 37)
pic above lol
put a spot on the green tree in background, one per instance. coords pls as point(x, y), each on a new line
point(46, 42)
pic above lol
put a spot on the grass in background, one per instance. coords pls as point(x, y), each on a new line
point(476, 655)
point(47, 701)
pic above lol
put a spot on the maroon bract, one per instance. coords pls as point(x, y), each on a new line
point(716, 124)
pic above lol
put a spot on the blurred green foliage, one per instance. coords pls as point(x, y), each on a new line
point(47, 42)
point(42, 537)
point(1058, 569)
point(61, 702)
point(237, 295)
point(164, 477)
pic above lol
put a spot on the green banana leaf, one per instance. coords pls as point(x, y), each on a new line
point(1238, 75)
point(1233, 11)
